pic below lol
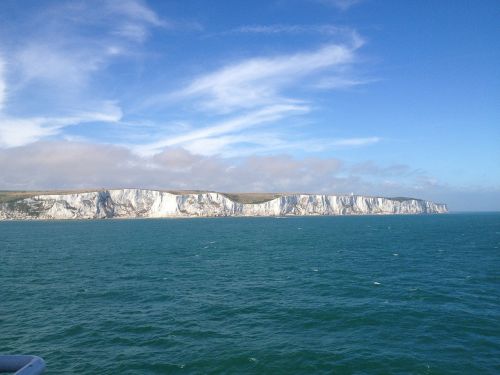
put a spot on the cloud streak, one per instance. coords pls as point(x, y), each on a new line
point(3, 85)
point(68, 59)
point(340, 4)
point(15, 131)
point(136, 19)
point(55, 69)
point(234, 125)
point(239, 99)
point(277, 29)
point(268, 90)
point(259, 91)
point(259, 81)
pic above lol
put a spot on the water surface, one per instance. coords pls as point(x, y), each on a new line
point(342, 295)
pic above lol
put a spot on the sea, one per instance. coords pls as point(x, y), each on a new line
point(296, 295)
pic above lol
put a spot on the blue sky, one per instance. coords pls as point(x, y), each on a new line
point(333, 96)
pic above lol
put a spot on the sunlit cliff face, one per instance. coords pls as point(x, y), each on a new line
point(133, 203)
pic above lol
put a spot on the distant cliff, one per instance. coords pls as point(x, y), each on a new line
point(137, 203)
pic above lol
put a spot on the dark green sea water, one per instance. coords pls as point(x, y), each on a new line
point(333, 295)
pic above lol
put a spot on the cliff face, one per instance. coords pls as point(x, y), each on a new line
point(133, 203)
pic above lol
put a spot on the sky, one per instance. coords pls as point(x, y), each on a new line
point(387, 98)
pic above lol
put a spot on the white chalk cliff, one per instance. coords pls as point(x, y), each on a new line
point(138, 203)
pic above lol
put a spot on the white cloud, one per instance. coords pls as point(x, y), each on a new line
point(3, 85)
point(135, 10)
point(108, 111)
point(16, 132)
point(256, 82)
point(293, 29)
point(134, 20)
point(356, 141)
point(56, 65)
point(338, 82)
point(68, 58)
point(267, 143)
point(237, 124)
point(340, 4)
point(257, 91)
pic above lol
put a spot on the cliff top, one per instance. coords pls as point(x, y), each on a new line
point(12, 196)
point(246, 198)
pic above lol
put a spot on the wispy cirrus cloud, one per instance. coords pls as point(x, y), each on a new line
point(56, 65)
point(340, 82)
point(134, 10)
point(234, 125)
point(3, 86)
point(136, 19)
point(263, 142)
point(19, 131)
point(71, 57)
point(340, 4)
point(357, 141)
point(247, 101)
point(57, 68)
point(259, 91)
point(276, 29)
point(260, 81)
